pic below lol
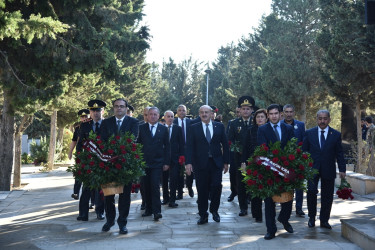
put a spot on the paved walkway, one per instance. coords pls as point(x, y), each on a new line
point(43, 216)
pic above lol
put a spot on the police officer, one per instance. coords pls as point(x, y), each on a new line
point(237, 134)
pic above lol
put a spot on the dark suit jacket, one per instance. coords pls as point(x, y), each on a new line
point(188, 124)
point(109, 127)
point(84, 131)
point(198, 148)
point(156, 150)
point(298, 128)
point(325, 158)
point(267, 135)
point(250, 143)
point(177, 144)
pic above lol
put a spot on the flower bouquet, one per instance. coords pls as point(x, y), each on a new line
point(117, 161)
point(275, 172)
point(344, 191)
point(235, 146)
point(181, 161)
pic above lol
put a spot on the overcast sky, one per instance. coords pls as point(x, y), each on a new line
point(198, 28)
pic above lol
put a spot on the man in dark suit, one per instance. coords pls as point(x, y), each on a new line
point(156, 152)
point(96, 108)
point(177, 149)
point(324, 145)
point(184, 122)
point(208, 154)
point(272, 132)
point(118, 124)
point(237, 135)
point(299, 132)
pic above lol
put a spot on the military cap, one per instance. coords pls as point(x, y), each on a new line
point(96, 104)
point(214, 109)
point(131, 108)
point(246, 101)
point(189, 116)
point(83, 112)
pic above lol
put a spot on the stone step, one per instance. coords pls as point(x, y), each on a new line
point(360, 232)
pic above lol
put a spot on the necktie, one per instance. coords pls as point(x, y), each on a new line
point(183, 129)
point(276, 132)
point(245, 123)
point(322, 139)
point(97, 127)
point(118, 125)
point(208, 134)
point(152, 128)
point(169, 131)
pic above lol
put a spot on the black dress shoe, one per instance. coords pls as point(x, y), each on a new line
point(269, 236)
point(157, 216)
point(243, 213)
point(173, 204)
point(311, 222)
point(100, 216)
point(74, 196)
point(230, 198)
point(202, 220)
point(83, 218)
point(165, 202)
point(191, 192)
point(107, 226)
point(258, 220)
point(287, 227)
point(179, 197)
point(145, 214)
point(123, 230)
point(300, 213)
point(325, 225)
point(143, 206)
point(91, 206)
point(216, 216)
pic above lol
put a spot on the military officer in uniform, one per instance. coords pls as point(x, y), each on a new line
point(237, 134)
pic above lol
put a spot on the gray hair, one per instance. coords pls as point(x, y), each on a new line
point(181, 105)
point(154, 108)
point(287, 106)
point(206, 106)
point(168, 111)
point(323, 111)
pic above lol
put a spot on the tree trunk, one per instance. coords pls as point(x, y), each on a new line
point(6, 144)
point(25, 122)
point(359, 136)
point(52, 141)
point(348, 127)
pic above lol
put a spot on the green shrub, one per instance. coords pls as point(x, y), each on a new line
point(39, 152)
point(26, 158)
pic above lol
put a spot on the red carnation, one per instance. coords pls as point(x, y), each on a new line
point(118, 166)
point(275, 160)
point(260, 177)
point(91, 163)
point(89, 171)
point(277, 179)
point(89, 156)
point(260, 187)
point(301, 167)
point(123, 152)
point(275, 173)
point(134, 149)
point(128, 140)
point(82, 165)
point(266, 148)
point(248, 163)
point(113, 142)
point(269, 182)
point(248, 172)
point(110, 151)
point(230, 143)
point(250, 182)
point(286, 163)
point(301, 177)
point(79, 172)
point(299, 150)
point(107, 168)
point(283, 158)
point(259, 162)
point(305, 156)
point(78, 160)
point(181, 160)
point(122, 147)
point(286, 180)
point(310, 164)
point(117, 137)
point(101, 146)
point(292, 157)
point(292, 170)
point(98, 137)
point(101, 164)
point(255, 173)
point(123, 160)
point(268, 168)
point(137, 156)
point(300, 143)
point(275, 151)
point(99, 142)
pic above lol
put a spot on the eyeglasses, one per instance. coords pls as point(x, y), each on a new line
point(119, 106)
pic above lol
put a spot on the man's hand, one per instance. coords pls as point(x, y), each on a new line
point(165, 167)
point(243, 166)
point(70, 155)
point(225, 168)
point(188, 169)
point(342, 175)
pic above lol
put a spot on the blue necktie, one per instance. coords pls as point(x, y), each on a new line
point(208, 134)
point(118, 125)
point(152, 128)
point(276, 132)
point(322, 139)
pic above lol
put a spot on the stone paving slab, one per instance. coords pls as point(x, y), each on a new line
point(43, 216)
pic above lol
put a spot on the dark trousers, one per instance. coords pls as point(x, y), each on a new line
point(77, 187)
point(123, 206)
point(256, 208)
point(233, 175)
point(165, 185)
point(99, 202)
point(208, 181)
point(181, 182)
point(84, 202)
point(270, 214)
point(142, 190)
point(241, 186)
point(299, 199)
point(174, 172)
point(152, 190)
point(327, 192)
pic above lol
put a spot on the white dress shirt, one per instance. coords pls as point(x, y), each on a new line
point(325, 133)
point(210, 127)
point(154, 129)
